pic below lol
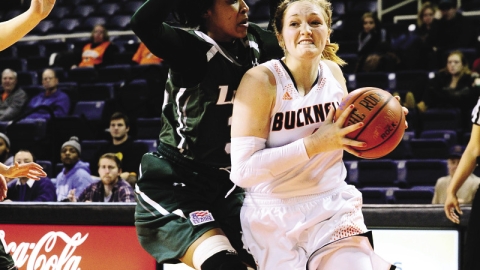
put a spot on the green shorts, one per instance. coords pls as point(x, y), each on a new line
point(178, 203)
point(6, 261)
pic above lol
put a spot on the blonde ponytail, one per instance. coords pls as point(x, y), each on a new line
point(329, 53)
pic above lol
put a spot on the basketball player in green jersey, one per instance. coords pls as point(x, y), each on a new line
point(188, 209)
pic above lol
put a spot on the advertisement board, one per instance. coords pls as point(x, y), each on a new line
point(412, 249)
point(75, 247)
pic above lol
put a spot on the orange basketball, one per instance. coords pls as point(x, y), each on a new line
point(383, 118)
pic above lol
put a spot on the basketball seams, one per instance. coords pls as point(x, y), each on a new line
point(373, 117)
point(384, 141)
point(385, 138)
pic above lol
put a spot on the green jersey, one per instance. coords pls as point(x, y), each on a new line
point(197, 118)
point(203, 78)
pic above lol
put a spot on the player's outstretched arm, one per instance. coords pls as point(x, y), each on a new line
point(3, 188)
point(464, 169)
point(31, 170)
point(16, 28)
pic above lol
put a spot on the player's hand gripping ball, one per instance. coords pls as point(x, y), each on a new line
point(383, 118)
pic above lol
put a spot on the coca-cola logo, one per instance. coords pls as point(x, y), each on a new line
point(39, 255)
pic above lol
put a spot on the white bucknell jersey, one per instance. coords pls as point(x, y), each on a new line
point(294, 117)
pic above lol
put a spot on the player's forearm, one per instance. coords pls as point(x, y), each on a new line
point(253, 164)
point(3, 168)
point(14, 29)
point(464, 169)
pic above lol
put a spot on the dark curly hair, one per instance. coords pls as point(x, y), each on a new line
point(191, 12)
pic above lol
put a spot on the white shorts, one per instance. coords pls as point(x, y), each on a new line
point(282, 234)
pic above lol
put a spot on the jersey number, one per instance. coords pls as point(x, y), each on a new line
point(225, 98)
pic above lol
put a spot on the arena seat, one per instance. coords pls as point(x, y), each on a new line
point(429, 148)
point(95, 91)
point(435, 119)
point(27, 133)
point(55, 46)
point(379, 195)
point(415, 81)
point(450, 136)
point(119, 22)
point(16, 64)
point(82, 75)
point(37, 63)
point(377, 173)
point(373, 79)
point(27, 50)
point(10, 52)
point(66, 26)
point(33, 90)
point(43, 27)
point(132, 98)
point(27, 78)
point(107, 9)
point(351, 59)
point(12, 14)
point(82, 11)
point(148, 128)
point(91, 110)
point(59, 12)
point(412, 196)
point(130, 7)
point(424, 172)
point(89, 23)
point(147, 145)
point(90, 148)
point(114, 73)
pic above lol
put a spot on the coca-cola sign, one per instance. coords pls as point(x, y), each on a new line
point(55, 247)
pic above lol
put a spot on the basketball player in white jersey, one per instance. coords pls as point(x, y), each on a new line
point(287, 153)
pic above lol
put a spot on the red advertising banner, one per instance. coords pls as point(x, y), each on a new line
point(65, 247)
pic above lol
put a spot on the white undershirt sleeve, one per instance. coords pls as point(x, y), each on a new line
point(253, 163)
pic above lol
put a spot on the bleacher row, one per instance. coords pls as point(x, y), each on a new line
point(396, 181)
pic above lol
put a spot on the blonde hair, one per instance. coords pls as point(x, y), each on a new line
point(425, 6)
point(330, 50)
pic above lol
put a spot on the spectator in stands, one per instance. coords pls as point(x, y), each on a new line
point(54, 98)
point(456, 30)
point(111, 187)
point(427, 34)
point(122, 145)
point(13, 97)
point(374, 47)
point(143, 56)
point(467, 191)
point(75, 174)
point(14, 29)
point(100, 51)
point(25, 189)
point(452, 87)
point(5, 156)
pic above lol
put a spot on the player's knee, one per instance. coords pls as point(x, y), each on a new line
point(216, 253)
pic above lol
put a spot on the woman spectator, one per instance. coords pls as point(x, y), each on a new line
point(453, 87)
point(100, 51)
point(427, 32)
point(374, 47)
